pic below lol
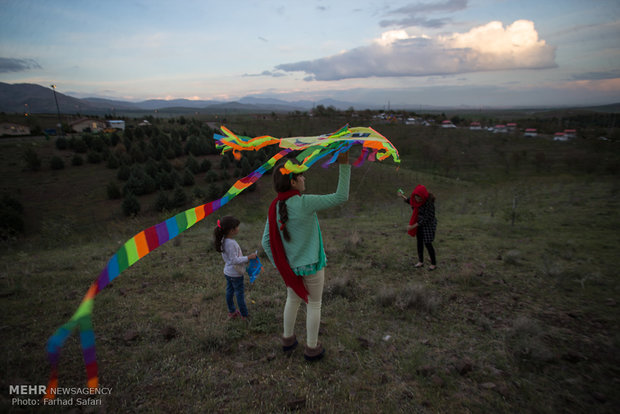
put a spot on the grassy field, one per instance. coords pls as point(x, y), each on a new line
point(520, 316)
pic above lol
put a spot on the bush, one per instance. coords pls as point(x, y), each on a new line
point(56, 163)
point(151, 167)
point(11, 217)
point(93, 157)
point(130, 205)
point(33, 162)
point(80, 146)
point(162, 202)
point(192, 165)
point(113, 162)
point(213, 192)
point(139, 184)
point(179, 198)
point(164, 181)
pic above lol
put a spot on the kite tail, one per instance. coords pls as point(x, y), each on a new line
point(133, 250)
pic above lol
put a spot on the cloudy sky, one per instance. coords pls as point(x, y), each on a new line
point(445, 52)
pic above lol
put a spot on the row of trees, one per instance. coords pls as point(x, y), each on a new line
point(150, 159)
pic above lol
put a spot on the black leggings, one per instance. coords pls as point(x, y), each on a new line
point(429, 247)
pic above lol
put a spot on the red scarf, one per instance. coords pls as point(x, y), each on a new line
point(421, 191)
point(277, 249)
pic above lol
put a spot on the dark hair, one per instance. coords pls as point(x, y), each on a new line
point(282, 184)
point(223, 227)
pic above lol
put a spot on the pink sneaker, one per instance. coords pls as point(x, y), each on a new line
point(234, 314)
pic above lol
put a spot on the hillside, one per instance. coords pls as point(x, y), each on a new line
point(520, 316)
point(36, 99)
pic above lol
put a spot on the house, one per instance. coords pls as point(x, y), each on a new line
point(116, 124)
point(530, 132)
point(474, 126)
point(87, 125)
point(511, 126)
point(7, 128)
point(447, 124)
point(570, 133)
point(500, 129)
point(560, 136)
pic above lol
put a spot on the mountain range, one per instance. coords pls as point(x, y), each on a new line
point(32, 98)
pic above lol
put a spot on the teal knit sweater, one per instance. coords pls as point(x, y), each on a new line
point(305, 252)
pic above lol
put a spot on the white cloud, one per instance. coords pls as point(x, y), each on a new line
point(489, 47)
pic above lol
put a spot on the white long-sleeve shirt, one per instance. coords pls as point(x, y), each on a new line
point(232, 255)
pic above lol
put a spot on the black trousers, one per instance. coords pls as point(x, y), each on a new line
point(429, 247)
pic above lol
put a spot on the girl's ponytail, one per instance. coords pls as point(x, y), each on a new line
point(221, 230)
point(283, 219)
point(282, 184)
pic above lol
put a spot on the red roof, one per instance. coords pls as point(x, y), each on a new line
point(530, 129)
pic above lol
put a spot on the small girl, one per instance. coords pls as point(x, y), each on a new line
point(423, 223)
point(223, 234)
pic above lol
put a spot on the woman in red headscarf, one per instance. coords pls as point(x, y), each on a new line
point(423, 223)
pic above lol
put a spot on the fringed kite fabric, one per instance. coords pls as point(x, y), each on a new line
point(374, 146)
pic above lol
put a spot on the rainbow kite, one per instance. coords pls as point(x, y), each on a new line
point(374, 146)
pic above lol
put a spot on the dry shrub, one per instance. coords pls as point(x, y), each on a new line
point(352, 243)
point(410, 297)
point(526, 341)
point(386, 296)
point(512, 257)
point(344, 286)
point(417, 297)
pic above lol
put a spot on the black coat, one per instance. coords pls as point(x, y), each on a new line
point(427, 223)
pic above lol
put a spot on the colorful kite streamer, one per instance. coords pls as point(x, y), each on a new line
point(374, 146)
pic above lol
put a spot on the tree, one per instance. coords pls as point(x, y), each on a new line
point(213, 192)
point(192, 164)
point(113, 162)
point(162, 202)
point(179, 198)
point(130, 205)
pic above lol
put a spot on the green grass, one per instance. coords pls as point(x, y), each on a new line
point(517, 318)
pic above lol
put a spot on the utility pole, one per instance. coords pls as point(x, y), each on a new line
point(57, 110)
